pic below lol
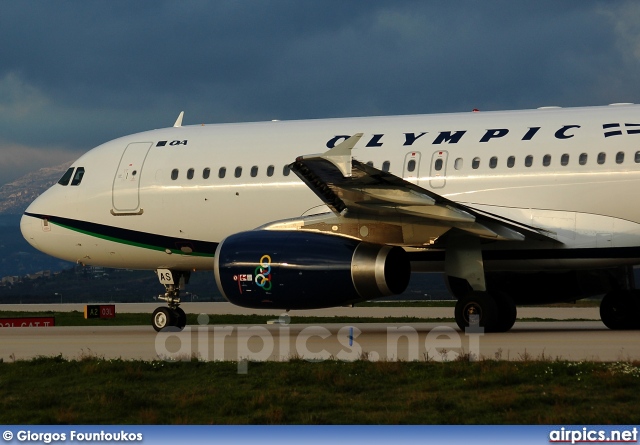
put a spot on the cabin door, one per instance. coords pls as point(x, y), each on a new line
point(126, 183)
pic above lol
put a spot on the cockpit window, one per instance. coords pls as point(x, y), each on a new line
point(77, 178)
point(66, 177)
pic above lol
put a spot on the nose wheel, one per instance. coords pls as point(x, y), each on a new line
point(164, 317)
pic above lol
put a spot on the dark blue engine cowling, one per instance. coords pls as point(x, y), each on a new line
point(306, 270)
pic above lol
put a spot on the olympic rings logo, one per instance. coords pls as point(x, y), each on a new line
point(263, 273)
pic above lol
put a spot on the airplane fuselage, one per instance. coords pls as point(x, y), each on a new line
point(165, 198)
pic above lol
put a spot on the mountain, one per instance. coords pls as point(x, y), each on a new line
point(16, 196)
point(78, 284)
point(17, 257)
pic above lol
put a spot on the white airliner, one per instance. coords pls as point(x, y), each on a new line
point(518, 207)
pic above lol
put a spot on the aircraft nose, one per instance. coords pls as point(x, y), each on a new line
point(28, 226)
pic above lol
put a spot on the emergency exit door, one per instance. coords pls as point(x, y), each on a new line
point(412, 167)
point(438, 169)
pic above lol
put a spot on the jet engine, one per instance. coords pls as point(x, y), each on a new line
point(306, 270)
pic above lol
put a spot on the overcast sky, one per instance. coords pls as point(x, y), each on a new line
point(74, 74)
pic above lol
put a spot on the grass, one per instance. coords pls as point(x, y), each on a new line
point(413, 303)
point(76, 318)
point(95, 391)
point(452, 303)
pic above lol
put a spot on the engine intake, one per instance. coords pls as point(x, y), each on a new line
point(306, 270)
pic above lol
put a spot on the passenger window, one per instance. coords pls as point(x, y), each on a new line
point(564, 160)
point(222, 172)
point(475, 163)
point(286, 170)
point(511, 161)
point(620, 157)
point(190, 173)
point(270, 170)
point(77, 178)
point(238, 172)
point(583, 159)
point(385, 166)
point(458, 164)
point(637, 157)
point(528, 161)
point(411, 166)
point(254, 171)
point(493, 162)
point(602, 157)
point(174, 173)
point(438, 165)
point(546, 160)
point(205, 173)
point(67, 175)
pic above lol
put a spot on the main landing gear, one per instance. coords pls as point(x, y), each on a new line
point(493, 312)
point(163, 317)
point(619, 309)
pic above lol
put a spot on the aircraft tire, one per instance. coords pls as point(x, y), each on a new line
point(618, 310)
point(477, 303)
point(162, 317)
point(507, 312)
point(180, 318)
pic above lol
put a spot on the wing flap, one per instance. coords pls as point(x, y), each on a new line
point(397, 196)
point(437, 212)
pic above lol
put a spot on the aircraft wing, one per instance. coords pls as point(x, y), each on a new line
point(354, 190)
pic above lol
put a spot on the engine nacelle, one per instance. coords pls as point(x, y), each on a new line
point(306, 270)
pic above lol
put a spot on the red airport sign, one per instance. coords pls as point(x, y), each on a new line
point(28, 322)
point(100, 311)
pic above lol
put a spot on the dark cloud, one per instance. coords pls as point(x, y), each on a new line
point(75, 74)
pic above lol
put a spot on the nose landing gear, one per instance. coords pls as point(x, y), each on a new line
point(163, 317)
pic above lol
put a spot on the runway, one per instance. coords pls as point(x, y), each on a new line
point(566, 340)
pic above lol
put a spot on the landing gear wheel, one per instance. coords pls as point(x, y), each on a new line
point(507, 312)
point(478, 304)
point(181, 318)
point(618, 310)
point(163, 317)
